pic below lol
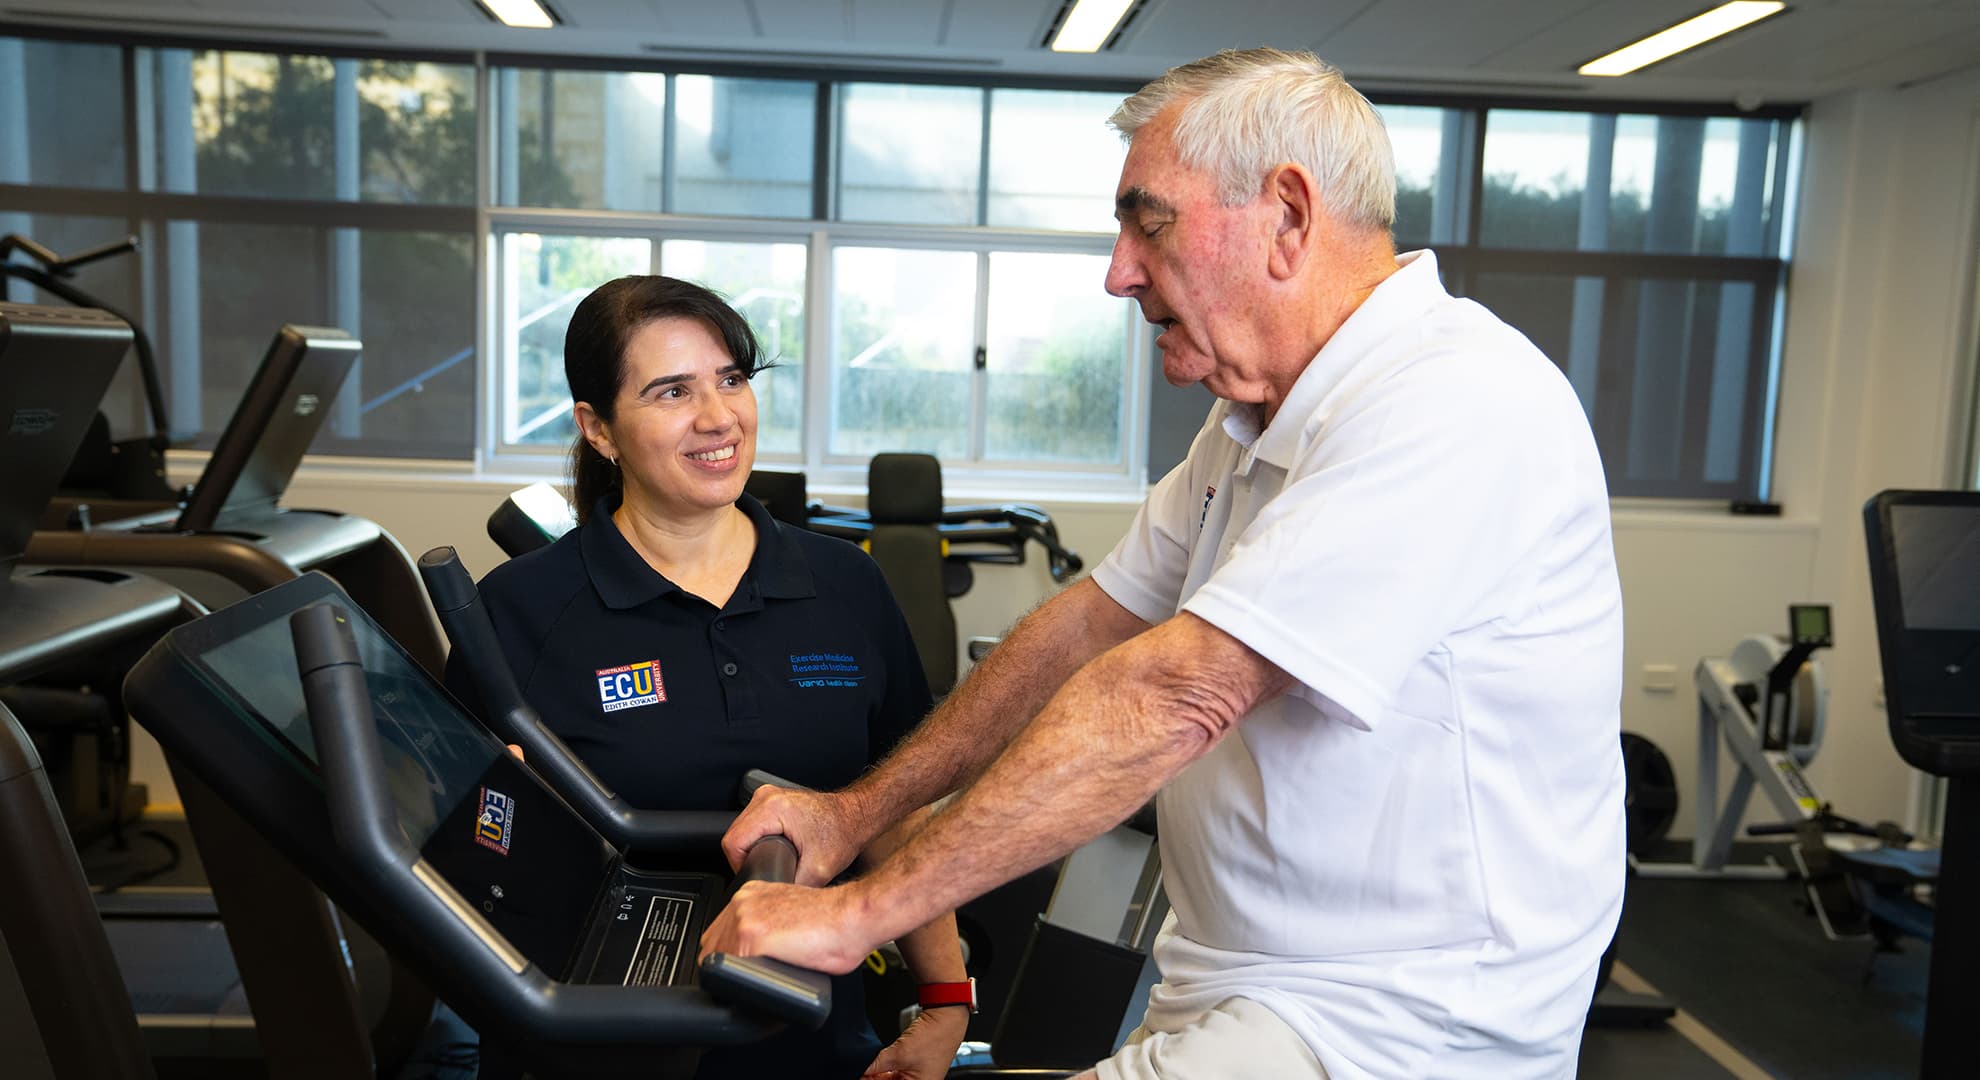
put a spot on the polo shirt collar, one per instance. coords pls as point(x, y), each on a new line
point(622, 579)
point(1398, 302)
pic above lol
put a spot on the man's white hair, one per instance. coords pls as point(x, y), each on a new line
point(1245, 112)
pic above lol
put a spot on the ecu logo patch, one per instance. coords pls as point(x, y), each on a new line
point(495, 824)
point(630, 686)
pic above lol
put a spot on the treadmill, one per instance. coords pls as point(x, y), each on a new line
point(304, 716)
point(55, 364)
point(325, 999)
point(1924, 551)
point(233, 537)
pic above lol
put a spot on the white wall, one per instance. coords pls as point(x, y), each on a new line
point(1879, 346)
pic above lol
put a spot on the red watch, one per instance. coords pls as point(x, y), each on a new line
point(936, 995)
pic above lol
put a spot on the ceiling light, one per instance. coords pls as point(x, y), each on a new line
point(1089, 24)
point(526, 14)
point(1690, 33)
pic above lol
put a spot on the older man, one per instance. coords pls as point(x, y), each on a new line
point(1365, 643)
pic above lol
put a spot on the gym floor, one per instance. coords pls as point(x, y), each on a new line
point(1760, 992)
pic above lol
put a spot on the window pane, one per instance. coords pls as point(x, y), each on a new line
point(909, 153)
point(310, 127)
point(408, 296)
point(1056, 360)
point(1423, 211)
point(61, 114)
point(416, 385)
point(743, 146)
point(766, 283)
point(579, 139)
point(415, 131)
point(902, 350)
point(1656, 184)
point(1673, 372)
point(544, 278)
point(1054, 162)
point(1536, 167)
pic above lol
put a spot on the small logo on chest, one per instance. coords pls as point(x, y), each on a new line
point(630, 686)
point(1209, 493)
point(810, 670)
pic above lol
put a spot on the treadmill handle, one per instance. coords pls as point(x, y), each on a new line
point(798, 995)
point(508, 715)
point(362, 816)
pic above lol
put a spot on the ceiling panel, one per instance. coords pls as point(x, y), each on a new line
point(999, 25)
point(816, 22)
point(464, 11)
point(625, 16)
point(1183, 29)
point(1950, 55)
point(700, 18)
point(1439, 34)
point(913, 23)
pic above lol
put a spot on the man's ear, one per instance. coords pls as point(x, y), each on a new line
point(593, 428)
point(1294, 197)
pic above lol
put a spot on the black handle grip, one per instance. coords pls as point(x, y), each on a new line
point(790, 993)
point(757, 778)
point(363, 820)
point(773, 859)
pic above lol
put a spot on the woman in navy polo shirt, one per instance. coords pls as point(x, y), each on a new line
point(680, 636)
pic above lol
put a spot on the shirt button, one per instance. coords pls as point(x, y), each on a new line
point(721, 624)
point(729, 669)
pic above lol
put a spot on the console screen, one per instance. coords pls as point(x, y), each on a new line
point(435, 757)
point(1938, 565)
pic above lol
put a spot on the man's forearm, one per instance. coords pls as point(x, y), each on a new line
point(980, 717)
point(1110, 738)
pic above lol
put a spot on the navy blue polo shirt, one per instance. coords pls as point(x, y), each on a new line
point(808, 671)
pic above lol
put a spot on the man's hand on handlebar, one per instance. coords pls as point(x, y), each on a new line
point(811, 928)
point(819, 824)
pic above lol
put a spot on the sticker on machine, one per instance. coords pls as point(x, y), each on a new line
point(630, 686)
point(495, 825)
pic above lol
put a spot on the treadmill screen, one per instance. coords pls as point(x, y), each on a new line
point(479, 817)
point(435, 756)
point(1938, 565)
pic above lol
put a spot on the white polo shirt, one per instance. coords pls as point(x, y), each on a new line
point(1415, 858)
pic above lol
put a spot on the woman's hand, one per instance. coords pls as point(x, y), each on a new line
point(925, 1049)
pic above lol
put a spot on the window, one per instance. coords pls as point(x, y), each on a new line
point(1053, 160)
point(312, 127)
point(742, 147)
point(1667, 185)
point(61, 114)
point(543, 280)
point(903, 343)
point(766, 282)
point(910, 154)
point(1427, 143)
point(579, 139)
point(546, 276)
point(1046, 386)
point(923, 262)
point(1641, 253)
point(409, 296)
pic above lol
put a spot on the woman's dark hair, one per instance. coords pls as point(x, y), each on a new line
point(595, 357)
